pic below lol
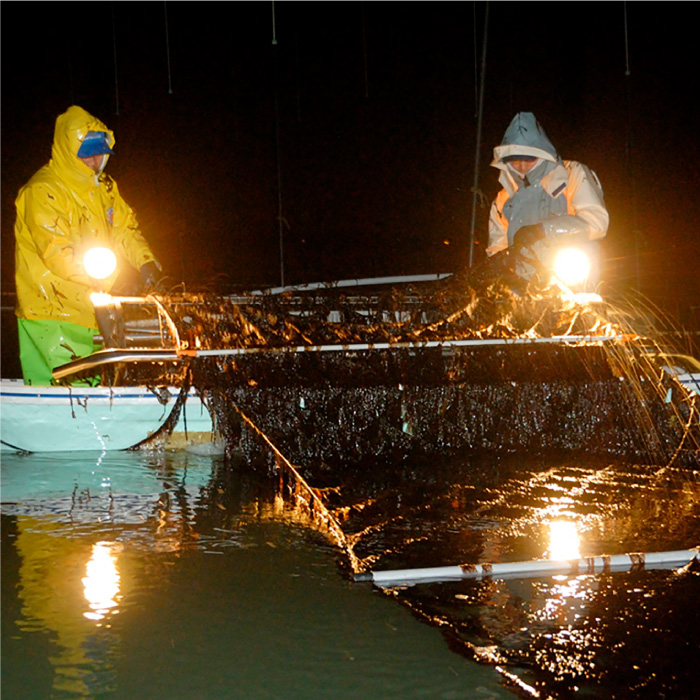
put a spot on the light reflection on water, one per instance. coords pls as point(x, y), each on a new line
point(563, 540)
point(101, 581)
point(175, 565)
point(511, 508)
point(177, 576)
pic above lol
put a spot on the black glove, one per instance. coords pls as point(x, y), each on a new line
point(150, 276)
point(527, 236)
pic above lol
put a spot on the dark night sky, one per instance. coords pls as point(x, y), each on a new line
point(369, 109)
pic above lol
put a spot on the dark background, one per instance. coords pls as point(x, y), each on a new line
point(359, 127)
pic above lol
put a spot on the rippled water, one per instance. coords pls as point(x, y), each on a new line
point(139, 576)
point(620, 634)
point(134, 575)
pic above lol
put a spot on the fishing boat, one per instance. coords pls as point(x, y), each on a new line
point(70, 418)
point(133, 331)
point(117, 415)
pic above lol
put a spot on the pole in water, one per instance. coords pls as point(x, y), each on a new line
point(526, 569)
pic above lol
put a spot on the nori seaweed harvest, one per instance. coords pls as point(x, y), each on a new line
point(410, 455)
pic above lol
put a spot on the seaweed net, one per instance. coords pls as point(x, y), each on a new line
point(407, 449)
point(334, 378)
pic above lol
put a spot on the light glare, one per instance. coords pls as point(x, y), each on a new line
point(572, 266)
point(100, 299)
point(100, 263)
point(101, 581)
point(563, 541)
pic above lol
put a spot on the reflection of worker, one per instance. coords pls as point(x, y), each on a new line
point(545, 201)
point(68, 207)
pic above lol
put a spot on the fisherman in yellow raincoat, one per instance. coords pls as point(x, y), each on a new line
point(68, 207)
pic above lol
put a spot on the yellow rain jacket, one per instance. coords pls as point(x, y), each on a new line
point(63, 211)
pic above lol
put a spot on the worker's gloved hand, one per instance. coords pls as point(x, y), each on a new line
point(150, 276)
point(527, 236)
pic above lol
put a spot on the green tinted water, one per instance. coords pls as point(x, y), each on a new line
point(136, 576)
point(133, 576)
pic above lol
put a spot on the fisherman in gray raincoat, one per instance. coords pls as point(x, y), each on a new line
point(545, 201)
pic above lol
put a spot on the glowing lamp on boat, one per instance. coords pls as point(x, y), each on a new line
point(572, 266)
point(100, 263)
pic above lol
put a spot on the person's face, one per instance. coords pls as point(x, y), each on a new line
point(522, 166)
point(95, 163)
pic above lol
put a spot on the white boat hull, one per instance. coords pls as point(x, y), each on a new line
point(69, 419)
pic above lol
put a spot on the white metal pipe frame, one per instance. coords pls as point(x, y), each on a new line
point(113, 355)
point(528, 569)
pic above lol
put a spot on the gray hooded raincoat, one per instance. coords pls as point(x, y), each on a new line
point(564, 196)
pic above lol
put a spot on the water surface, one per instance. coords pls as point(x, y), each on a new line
point(137, 576)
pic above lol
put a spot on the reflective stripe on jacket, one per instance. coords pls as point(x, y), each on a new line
point(585, 217)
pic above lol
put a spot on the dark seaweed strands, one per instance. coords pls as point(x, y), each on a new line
point(320, 419)
point(317, 320)
point(338, 415)
point(389, 405)
point(403, 378)
point(383, 342)
point(323, 416)
point(397, 317)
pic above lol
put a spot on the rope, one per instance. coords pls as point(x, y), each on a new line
point(280, 218)
point(274, 26)
point(314, 500)
point(630, 165)
point(476, 66)
point(364, 50)
point(116, 77)
point(627, 46)
point(167, 47)
point(178, 407)
point(70, 73)
point(475, 187)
